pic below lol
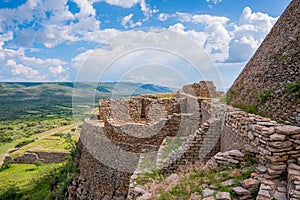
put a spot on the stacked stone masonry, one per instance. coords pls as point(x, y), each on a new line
point(128, 127)
point(137, 125)
point(31, 157)
point(201, 89)
point(272, 143)
point(275, 67)
point(202, 145)
point(212, 128)
point(293, 187)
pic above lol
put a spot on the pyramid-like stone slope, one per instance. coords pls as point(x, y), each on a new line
point(270, 82)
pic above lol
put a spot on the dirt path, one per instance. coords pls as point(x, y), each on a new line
point(53, 131)
point(39, 137)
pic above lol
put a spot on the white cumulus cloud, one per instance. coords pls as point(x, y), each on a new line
point(121, 3)
point(249, 33)
point(225, 41)
point(145, 8)
point(58, 27)
point(163, 17)
point(196, 19)
point(79, 60)
point(58, 70)
point(214, 1)
point(19, 69)
point(128, 22)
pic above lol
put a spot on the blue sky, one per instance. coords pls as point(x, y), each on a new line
point(50, 40)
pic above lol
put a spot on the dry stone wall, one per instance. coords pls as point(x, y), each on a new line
point(201, 89)
point(274, 68)
point(30, 157)
point(293, 187)
point(202, 145)
point(276, 146)
point(112, 146)
point(50, 157)
point(128, 127)
point(138, 109)
point(132, 133)
point(105, 168)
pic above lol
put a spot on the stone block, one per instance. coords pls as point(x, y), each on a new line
point(250, 183)
point(277, 137)
point(223, 196)
point(287, 130)
point(240, 191)
point(208, 192)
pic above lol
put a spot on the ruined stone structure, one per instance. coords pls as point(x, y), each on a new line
point(201, 89)
point(276, 146)
point(31, 157)
point(111, 147)
point(271, 79)
point(128, 127)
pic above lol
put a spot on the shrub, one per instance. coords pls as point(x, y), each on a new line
point(38, 163)
point(58, 134)
point(248, 108)
point(263, 96)
point(4, 167)
point(23, 143)
point(5, 137)
point(224, 99)
point(61, 179)
point(294, 88)
point(12, 192)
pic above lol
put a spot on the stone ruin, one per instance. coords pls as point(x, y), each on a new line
point(204, 89)
point(274, 67)
point(31, 157)
point(111, 148)
point(128, 128)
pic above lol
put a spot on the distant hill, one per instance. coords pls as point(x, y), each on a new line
point(52, 99)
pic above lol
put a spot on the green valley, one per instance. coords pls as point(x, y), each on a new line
point(39, 118)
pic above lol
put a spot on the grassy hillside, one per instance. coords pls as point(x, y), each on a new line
point(38, 180)
point(52, 100)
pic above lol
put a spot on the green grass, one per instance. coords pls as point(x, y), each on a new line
point(148, 162)
point(294, 88)
point(21, 175)
point(35, 182)
point(5, 147)
point(39, 145)
point(48, 144)
point(39, 181)
point(146, 177)
point(248, 108)
point(44, 145)
point(192, 182)
point(11, 130)
point(23, 143)
point(223, 99)
point(171, 145)
point(263, 96)
point(193, 179)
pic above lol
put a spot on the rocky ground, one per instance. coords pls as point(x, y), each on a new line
point(226, 176)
